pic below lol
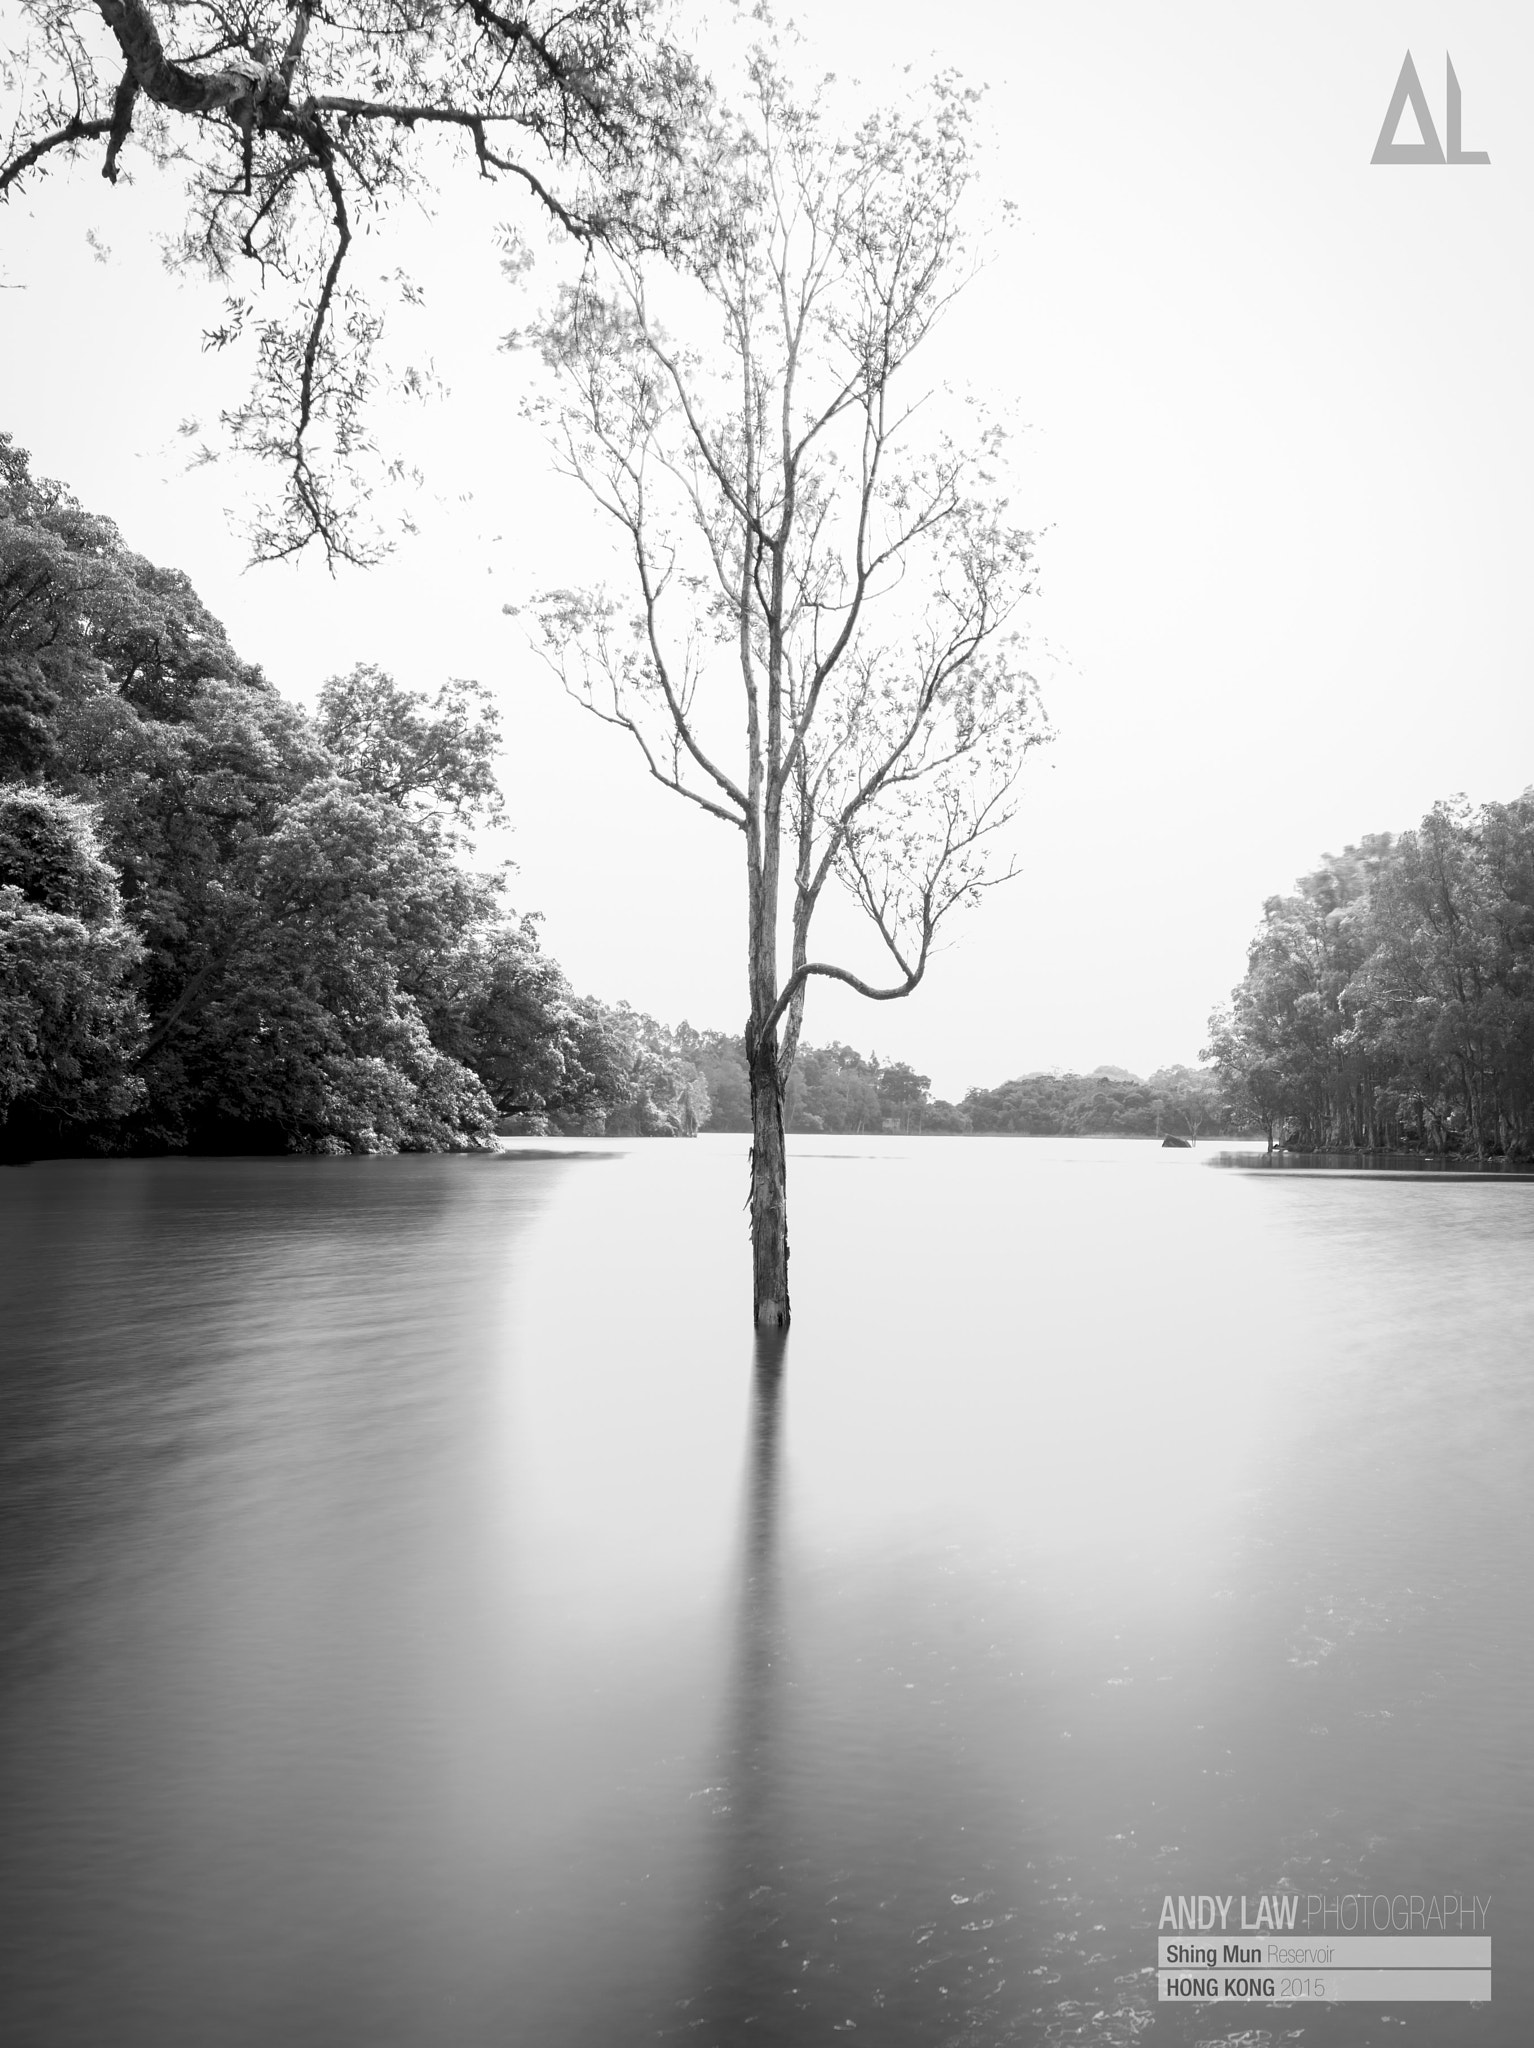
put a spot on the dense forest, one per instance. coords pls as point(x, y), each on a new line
point(1389, 1003)
point(226, 924)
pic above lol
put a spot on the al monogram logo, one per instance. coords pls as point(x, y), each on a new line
point(1429, 150)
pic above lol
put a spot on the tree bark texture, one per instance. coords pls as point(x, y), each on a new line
point(769, 1184)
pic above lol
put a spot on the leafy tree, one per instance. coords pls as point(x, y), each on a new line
point(663, 1094)
point(439, 762)
point(1391, 1000)
point(285, 931)
point(299, 127)
point(309, 1028)
point(1245, 1067)
point(26, 703)
point(598, 1055)
point(49, 853)
point(513, 1019)
point(721, 1063)
point(1296, 1017)
point(903, 1096)
point(793, 542)
point(82, 619)
point(1191, 1100)
point(69, 1024)
point(945, 1120)
point(833, 1088)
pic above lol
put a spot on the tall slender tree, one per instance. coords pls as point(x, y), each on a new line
point(818, 645)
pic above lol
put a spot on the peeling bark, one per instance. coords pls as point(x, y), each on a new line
point(243, 84)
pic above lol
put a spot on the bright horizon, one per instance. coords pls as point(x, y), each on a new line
point(1279, 430)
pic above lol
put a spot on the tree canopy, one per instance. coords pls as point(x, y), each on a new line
point(226, 924)
point(1390, 1001)
point(70, 1023)
point(297, 127)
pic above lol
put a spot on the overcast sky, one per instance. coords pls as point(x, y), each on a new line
point(1279, 456)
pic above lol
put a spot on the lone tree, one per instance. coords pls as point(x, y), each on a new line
point(299, 123)
point(809, 571)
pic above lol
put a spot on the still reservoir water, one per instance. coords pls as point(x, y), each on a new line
point(425, 1619)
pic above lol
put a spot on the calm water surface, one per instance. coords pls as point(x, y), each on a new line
point(426, 1619)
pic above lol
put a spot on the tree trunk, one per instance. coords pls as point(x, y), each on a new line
point(769, 1184)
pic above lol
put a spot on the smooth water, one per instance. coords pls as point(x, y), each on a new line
point(428, 1620)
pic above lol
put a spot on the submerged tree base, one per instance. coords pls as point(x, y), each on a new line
point(769, 1186)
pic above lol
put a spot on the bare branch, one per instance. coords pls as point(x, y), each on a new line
point(673, 781)
point(801, 976)
point(73, 132)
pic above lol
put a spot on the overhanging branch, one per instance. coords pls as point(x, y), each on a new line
point(63, 138)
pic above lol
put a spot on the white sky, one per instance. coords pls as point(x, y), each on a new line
point(1280, 457)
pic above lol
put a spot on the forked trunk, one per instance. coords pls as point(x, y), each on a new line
point(769, 1186)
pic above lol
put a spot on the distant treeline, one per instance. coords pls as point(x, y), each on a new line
point(836, 1089)
point(226, 924)
point(1390, 1002)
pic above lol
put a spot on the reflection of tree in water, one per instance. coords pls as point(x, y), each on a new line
point(835, 1857)
point(871, 1871)
point(751, 1956)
